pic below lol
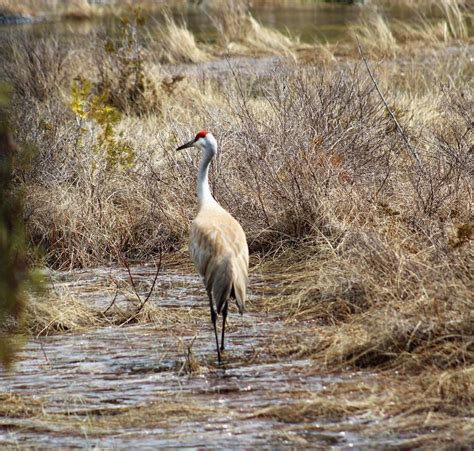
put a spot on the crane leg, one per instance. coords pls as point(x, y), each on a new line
point(224, 316)
point(214, 321)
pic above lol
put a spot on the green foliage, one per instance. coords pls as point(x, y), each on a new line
point(15, 274)
point(94, 107)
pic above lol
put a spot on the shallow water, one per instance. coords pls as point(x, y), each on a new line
point(317, 21)
point(80, 377)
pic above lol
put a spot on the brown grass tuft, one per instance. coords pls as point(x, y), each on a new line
point(177, 44)
point(59, 313)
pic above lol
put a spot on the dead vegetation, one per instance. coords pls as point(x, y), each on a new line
point(447, 24)
point(376, 245)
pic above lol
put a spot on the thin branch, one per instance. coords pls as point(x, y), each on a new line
point(139, 309)
point(158, 269)
point(112, 303)
point(42, 349)
point(413, 151)
point(132, 281)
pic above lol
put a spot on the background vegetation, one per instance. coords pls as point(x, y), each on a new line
point(15, 274)
point(372, 225)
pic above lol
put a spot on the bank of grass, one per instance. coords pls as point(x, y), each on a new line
point(420, 411)
point(447, 25)
point(47, 10)
point(101, 421)
point(372, 228)
point(81, 9)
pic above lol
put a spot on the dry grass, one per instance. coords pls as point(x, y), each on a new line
point(101, 421)
point(376, 36)
point(239, 33)
point(376, 247)
point(16, 406)
point(69, 9)
point(49, 314)
point(447, 24)
point(177, 44)
point(269, 41)
point(77, 9)
point(434, 400)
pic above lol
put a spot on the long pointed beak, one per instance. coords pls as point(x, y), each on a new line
point(185, 146)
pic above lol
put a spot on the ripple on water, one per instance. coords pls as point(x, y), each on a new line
point(77, 376)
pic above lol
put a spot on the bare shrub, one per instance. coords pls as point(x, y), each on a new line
point(36, 67)
point(310, 134)
point(300, 151)
point(121, 62)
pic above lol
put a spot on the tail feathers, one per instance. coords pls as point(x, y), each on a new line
point(227, 281)
point(238, 293)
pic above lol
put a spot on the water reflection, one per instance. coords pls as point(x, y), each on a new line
point(311, 21)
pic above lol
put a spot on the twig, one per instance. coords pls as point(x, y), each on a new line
point(132, 281)
point(413, 151)
point(43, 350)
point(112, 303)
point(158, 268)
point(187, 364)
point(142, 304)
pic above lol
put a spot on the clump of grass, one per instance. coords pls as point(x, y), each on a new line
point(455, 19)
point(238, 32)
point(376, 36)
point(58, 313)
point(450, 27)
point(177, 44)
point(382, 38)
point(386, 301)
point(79, 10)
point(230, 18)
point(16, 406)
point(268, 40)
point(311, 409)
point(150, 414)
point(190, 364)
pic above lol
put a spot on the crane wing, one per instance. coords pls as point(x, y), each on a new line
point(219, 250)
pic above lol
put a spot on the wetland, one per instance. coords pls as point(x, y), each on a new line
point(349, 168)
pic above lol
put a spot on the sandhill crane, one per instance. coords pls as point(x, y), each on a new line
point(217, 243)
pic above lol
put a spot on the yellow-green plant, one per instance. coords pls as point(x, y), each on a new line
point(94, 107)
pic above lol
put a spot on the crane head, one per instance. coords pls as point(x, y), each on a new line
point(203, 140)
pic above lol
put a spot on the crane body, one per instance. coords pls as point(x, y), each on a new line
point(217, 244)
